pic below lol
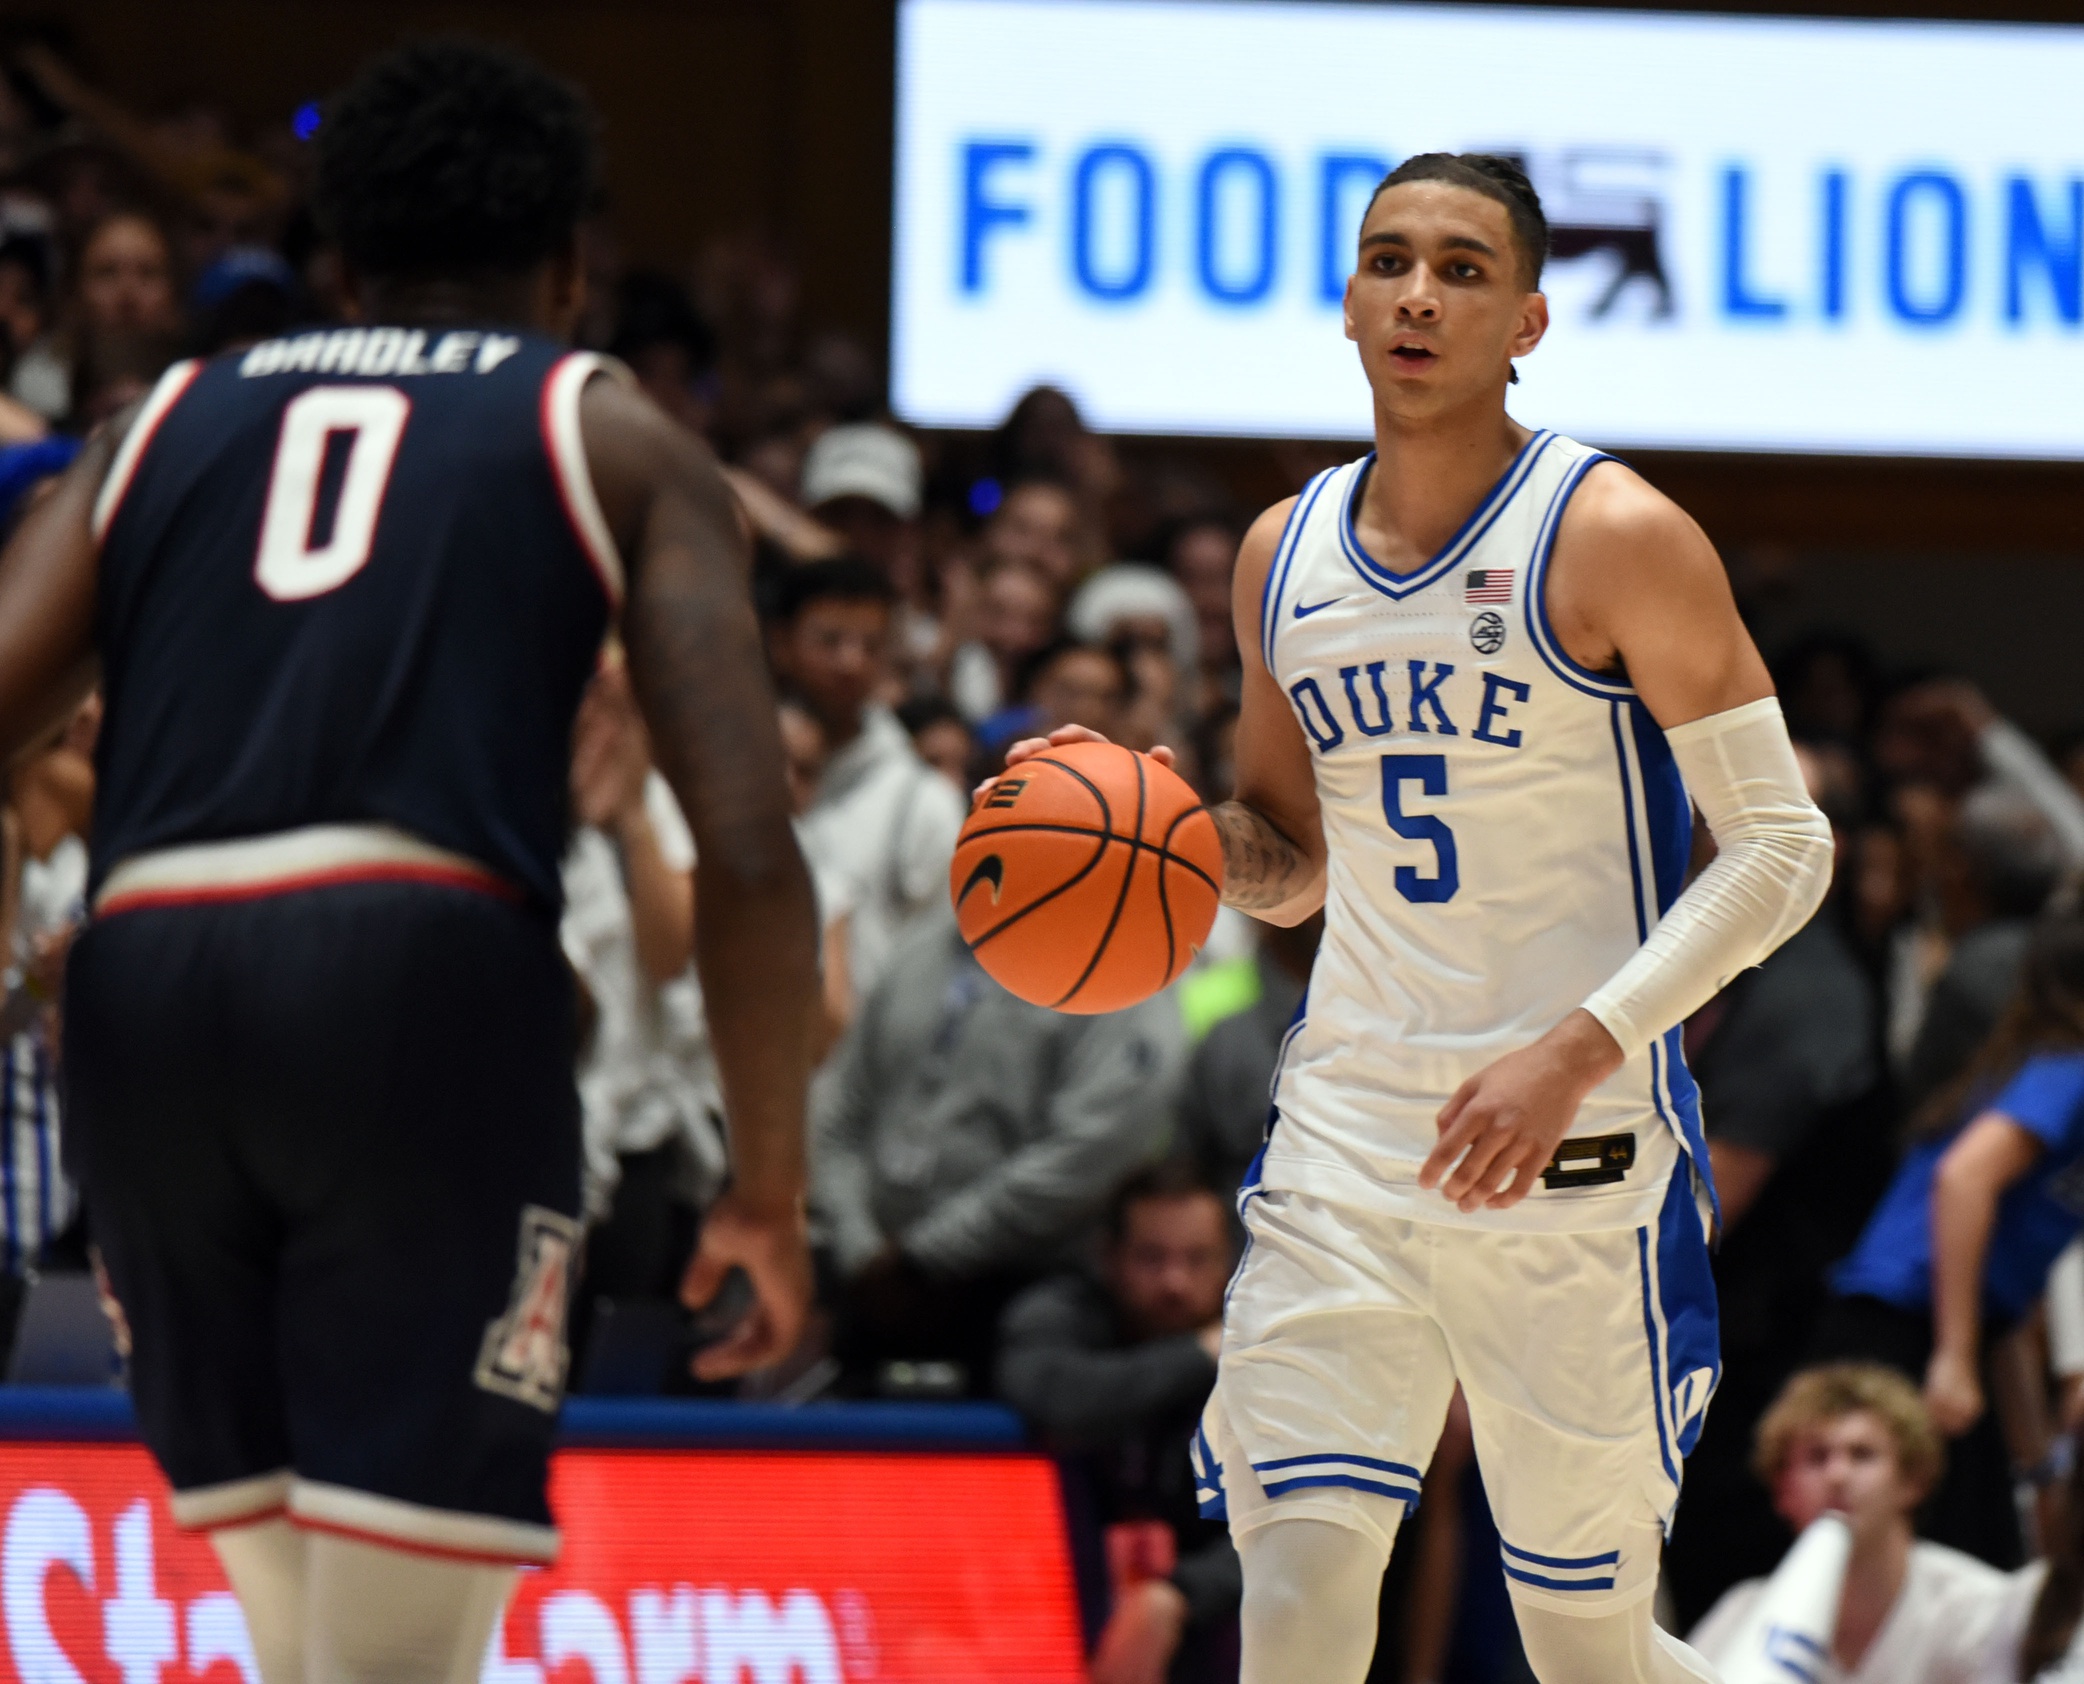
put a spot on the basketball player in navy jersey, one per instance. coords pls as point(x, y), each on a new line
point(342, 591)
point(1488, 674)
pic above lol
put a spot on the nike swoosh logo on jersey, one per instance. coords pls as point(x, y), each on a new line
point(1303, 613)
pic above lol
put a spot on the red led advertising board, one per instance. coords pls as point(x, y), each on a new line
point(679, 1567)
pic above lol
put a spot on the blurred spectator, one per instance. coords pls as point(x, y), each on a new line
point(964, 1141)
point(1064, 683)
point(2004, 862)
point(805, 756)
point(1015, 615)
point(1045, 438)
point(112, 369)
point(1801, 1131)
point(1827, 684)
point(864, 481)
point(247, 295)
point(940, 736)
point(1787, 1043)
point(882, 820)
point(1113, 1371)
point(1037, 526)
point(668, 346)
point(1145, 617)
point(1202, 554)
point(1961, 1245)
point(43, 885)
point(126, 278)
point(36, 367)
point(1230, 1076)
point(648, 1085)
point(1853, 1439)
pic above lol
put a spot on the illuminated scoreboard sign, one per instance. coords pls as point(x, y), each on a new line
point(1769, 233)
point(723, 1567)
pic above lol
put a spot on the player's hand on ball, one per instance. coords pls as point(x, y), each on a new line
point(1953, 1392)
point(1504, 1123)
point(773, 1249)
point(1028, 747)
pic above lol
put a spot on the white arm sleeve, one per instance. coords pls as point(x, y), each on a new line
point(1769, 875)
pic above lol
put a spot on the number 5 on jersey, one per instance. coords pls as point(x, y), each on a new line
point(1429, 772)
point(296, 560)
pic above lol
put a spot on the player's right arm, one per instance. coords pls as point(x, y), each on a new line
point(1271, 829)
point(696, 665)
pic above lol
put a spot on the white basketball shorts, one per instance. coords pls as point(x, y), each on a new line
point(1587, 1360)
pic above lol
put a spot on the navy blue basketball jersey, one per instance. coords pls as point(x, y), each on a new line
point(352, 576)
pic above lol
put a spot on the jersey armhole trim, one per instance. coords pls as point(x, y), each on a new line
point(566, 445)
point(1275, 591)
point(123, 469)
point(1536, 607)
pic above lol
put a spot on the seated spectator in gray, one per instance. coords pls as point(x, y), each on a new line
point(964, 1142)
point(882, 820)
point(1113, 1370)
point(2004, 861)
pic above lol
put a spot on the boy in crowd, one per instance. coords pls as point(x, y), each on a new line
point(882, 820)
point(1855, 1438)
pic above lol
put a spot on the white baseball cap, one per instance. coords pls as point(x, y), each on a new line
point(865, 460)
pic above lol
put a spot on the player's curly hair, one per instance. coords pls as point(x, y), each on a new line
point(1495, 176)
point(454, 157)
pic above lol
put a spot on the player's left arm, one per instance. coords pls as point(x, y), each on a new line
point(48, 576)
point(1636, 589)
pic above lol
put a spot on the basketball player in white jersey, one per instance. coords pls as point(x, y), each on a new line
point(1485, 670)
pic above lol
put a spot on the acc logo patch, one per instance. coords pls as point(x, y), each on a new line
point(1487, 633)
point(524, 1356)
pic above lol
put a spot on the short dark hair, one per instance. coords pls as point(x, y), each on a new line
point(923, 713)
point(844, 578)
point(452, 156)
point(1028, 673)
point(654, 309)
point(1171, 1178)
point(1496, 177)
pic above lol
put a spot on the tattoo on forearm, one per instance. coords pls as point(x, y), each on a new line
point(1261, 867)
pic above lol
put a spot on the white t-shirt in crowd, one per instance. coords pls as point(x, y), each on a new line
point(1938, 1632)
point(649, 1072)
point(884, 825)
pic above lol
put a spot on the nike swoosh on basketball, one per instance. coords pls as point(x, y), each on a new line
point(1303, 613)
point(990, 869)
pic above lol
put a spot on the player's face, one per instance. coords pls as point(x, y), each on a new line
point(1171, 1263)
point(1438, 303)
point(1848, 1464)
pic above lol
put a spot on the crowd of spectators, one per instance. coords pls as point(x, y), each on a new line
point(1006, 1202)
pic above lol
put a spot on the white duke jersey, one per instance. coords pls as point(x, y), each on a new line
point(1504, 829)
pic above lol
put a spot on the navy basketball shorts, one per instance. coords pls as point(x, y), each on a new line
point(330, 1148)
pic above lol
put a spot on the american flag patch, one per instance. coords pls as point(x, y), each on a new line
point(1489, 584)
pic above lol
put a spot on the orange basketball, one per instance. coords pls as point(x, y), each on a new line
point(1087, 878)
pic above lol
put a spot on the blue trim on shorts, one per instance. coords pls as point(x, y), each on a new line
point(1358, 1461)
point(1535, 1579)
point(1396, 1493)
point(1610, 1559)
